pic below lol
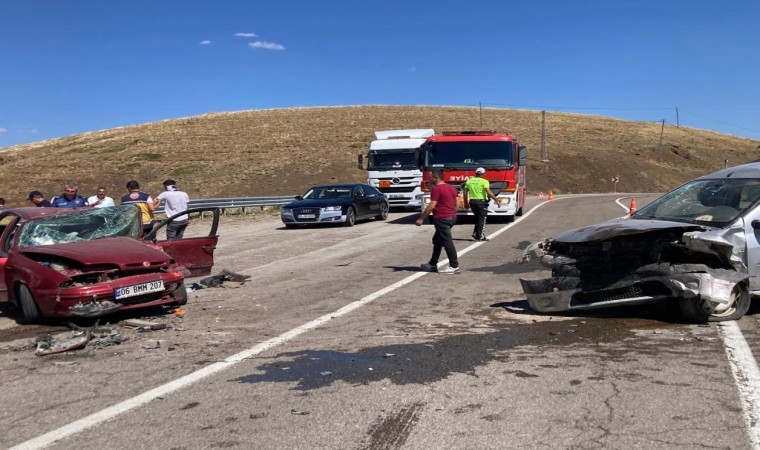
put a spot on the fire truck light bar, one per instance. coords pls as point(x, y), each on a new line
point(470, 133)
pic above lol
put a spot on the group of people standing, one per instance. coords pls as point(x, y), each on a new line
point(175, 201)
point(443, 207)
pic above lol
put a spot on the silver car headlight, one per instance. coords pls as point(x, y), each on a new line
point(332, 208)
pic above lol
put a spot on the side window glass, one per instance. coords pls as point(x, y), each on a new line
point(8, 227)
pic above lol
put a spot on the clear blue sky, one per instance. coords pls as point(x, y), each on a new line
point(68, 67)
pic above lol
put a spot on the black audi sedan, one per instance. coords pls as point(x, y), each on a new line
point(336, 203)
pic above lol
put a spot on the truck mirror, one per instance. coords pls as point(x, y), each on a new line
point(360, 162)
point(522, 155)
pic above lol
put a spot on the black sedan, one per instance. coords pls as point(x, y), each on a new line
point(336, 203)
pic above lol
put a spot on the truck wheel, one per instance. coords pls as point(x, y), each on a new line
point(350, 216)
point(28, 305)
point(383, 212)
point(693, 310)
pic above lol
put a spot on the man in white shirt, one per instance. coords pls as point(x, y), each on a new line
point(100, 200)
point(175, 202)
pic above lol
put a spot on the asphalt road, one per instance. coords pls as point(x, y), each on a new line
point(339, 342)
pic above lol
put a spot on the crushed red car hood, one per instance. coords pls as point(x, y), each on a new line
point(123, 251)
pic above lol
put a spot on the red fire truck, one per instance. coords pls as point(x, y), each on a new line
point(459, 153)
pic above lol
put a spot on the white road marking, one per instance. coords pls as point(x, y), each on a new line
point(109, 413)
point(747, 376)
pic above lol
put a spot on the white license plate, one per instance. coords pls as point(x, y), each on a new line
point(139, 289)
point(395, 196)
point(307, 216)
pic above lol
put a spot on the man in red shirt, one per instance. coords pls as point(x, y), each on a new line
point(443, 205)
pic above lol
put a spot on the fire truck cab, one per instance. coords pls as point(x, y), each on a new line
point(459, 153)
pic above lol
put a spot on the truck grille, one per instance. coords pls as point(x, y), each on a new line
point(397, 189)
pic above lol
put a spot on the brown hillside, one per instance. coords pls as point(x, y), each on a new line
point(282, 152)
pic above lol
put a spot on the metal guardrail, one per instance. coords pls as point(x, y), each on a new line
point(236, 202)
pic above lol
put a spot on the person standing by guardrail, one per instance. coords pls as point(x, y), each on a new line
point(143, 201)
point(175, 201)
point(70, 198)
point(100, 199)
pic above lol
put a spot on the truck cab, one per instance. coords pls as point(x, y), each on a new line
point(392, 165)
point(459, 153)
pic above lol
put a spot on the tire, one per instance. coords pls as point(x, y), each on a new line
point(28, 305)
point(692, 309)
point(180, 294)
point(350, 217)
point(519, 212)
point(383, 212)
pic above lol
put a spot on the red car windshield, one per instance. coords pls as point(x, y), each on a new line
point(82, 225)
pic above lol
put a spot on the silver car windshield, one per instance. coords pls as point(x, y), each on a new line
point(717, 202)
point(83, 225)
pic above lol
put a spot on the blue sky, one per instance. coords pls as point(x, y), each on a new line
point(68, 67)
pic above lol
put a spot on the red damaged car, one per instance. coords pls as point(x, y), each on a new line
point(91, 262)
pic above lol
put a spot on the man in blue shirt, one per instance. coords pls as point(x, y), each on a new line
point(70, 198)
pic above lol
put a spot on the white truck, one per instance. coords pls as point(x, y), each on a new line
point(392, 165)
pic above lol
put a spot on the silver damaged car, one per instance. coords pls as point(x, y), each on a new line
point(696, 245)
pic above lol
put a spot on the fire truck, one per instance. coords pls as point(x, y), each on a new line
point(459, 153)
point(392, 165)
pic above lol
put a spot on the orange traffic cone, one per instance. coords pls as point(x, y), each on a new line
point(551, 196)
point(632, 208)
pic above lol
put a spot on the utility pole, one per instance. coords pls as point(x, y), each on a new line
point(544, 151)
point(659, 145)
point(678, 120)
point(480, 106)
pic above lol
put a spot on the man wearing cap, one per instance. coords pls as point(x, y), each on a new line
point(38, 199)
point(477, 195)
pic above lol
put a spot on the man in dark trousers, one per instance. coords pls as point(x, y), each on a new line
point(477, 195)
point(443, 205)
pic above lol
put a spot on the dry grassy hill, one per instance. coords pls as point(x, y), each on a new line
point(280, 152)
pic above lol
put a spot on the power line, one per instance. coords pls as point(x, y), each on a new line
point(579, 107)
point(721, 122)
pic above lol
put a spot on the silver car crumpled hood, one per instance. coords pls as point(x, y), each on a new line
point(622, 227)
point(634, 261)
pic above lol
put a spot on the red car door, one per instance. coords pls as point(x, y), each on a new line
point(195, 251)
point(7, 231)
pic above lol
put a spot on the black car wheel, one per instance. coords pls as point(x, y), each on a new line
point(383, 211)
point(350, 216)
point(28, 305)
point(180, 294)
point(695, 312)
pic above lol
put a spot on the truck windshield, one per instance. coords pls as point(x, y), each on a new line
point(471, 154)
point(392, 160)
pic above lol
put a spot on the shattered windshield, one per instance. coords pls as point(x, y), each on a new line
point(717, 202)
point(395, 160)
point(83, 225)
